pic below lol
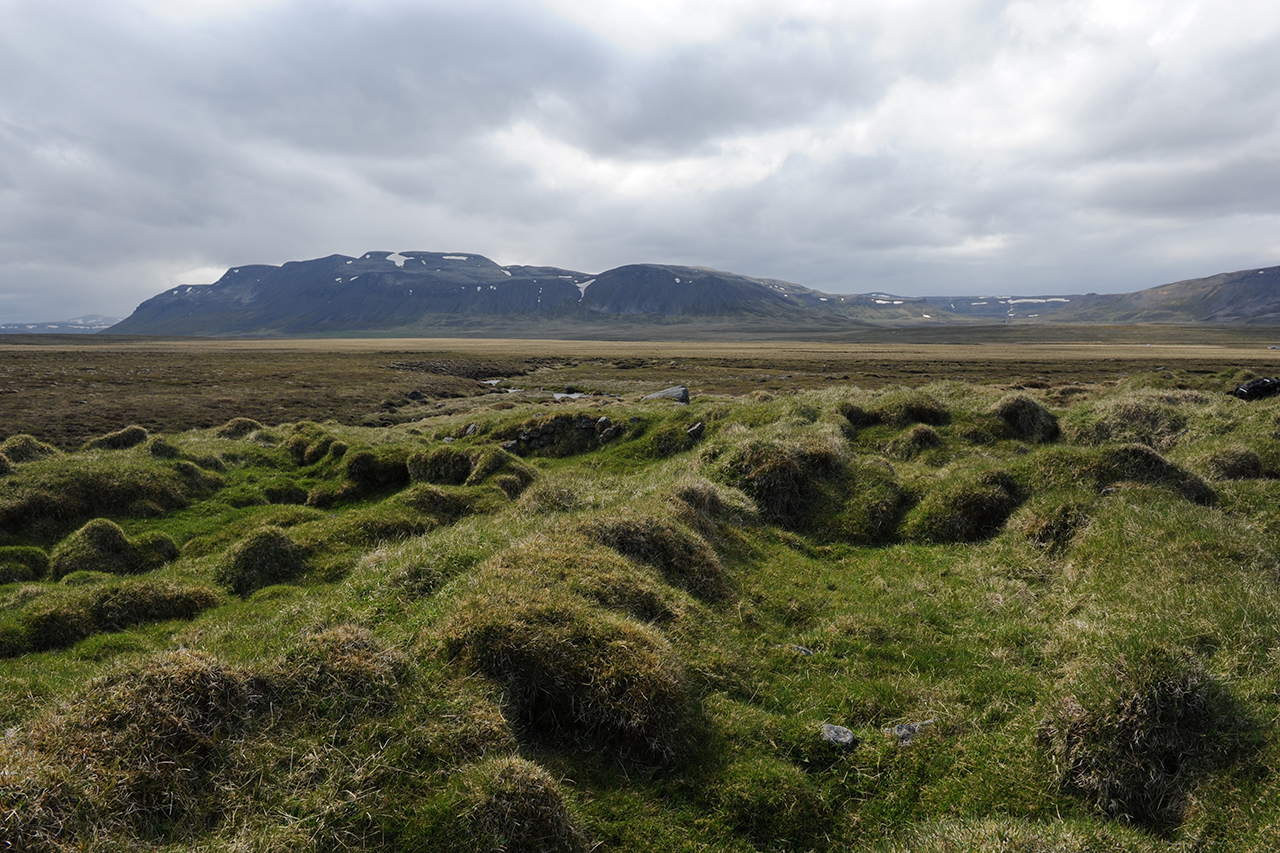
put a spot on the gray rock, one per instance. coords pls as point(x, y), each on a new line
point(907, 732)
point(471, 429)
point(609, 434)
point(679, 393)
point(603, 424)
point(695, 432)
point(511, 446)
point(839, 736)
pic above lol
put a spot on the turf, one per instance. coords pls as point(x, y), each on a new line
point(409, 628)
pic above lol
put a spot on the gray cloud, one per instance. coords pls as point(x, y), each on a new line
point(932, 148)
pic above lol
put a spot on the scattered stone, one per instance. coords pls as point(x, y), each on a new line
point(471, 429)
point(839, 736)
point(610, 434)
point(603, 424)
point(679, 393)
point(907, 732)
point(511, 446)
point(416, 395)
point(695, 432)
point(448, 439)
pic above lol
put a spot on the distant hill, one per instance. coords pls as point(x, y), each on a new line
point(439, 294)
point(85, 325)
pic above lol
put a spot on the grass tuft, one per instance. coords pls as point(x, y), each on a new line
point(574, 674)
point(967, 508)
point(683, 557)
point(238, 428)
point(514, 804)
point(101, 546)
point(1154, 727)
point(1029, 420)
point(1234, 463)
point(910, 443)
point(266, 557)
point(26, 448)
point(20, 563)
point(130, 436)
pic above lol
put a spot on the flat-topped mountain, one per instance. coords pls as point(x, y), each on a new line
point(417, 292)
point(434, 293)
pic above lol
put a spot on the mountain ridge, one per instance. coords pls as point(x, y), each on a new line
point(415, 292)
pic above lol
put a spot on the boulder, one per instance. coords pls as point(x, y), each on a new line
point(679, 393)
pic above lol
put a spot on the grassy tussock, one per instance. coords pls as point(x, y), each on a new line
point(6, 467)
point(26, 448)
point(22, 563)
point(1152, 728)
point(1101, 468)
point(790, 481)
point(968, 507)
point(1052, 522)
point(458, 466)
point(343, 669)
point(61, 619)
point(1027, 419)
point(774, 804)
point(266, 557)
point(574, 674)
point(711, 508)
point(911, 442)
point(1234, 463)
point(45, 500)
point(513, 804)
point(130, 436)
point(380, 468)
point(101, 546)
point(238, 428)
point(683, 557)
point(1136, 418)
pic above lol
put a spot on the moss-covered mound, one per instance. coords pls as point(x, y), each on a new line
point(130, 436)
point(101, 546)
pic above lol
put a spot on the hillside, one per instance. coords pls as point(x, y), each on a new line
point(434, 293)
point(954, 617)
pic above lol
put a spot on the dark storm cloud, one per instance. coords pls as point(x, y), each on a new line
point(927, 147)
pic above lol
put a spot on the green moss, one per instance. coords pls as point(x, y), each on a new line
point(22, 563)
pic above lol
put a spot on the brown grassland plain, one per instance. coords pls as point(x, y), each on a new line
point(66, 389)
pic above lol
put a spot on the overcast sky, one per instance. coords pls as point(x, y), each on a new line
point(919, 147)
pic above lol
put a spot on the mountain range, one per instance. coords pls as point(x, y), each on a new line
point(438, 294)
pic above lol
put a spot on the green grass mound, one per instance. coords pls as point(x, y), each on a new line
point(161, 448)
point(101, 546)
point(1053, 522)
point(45, 500)
point(61, 618)
point(683, 557)
point(266, 557)
point(966, 508)
point(238, 428)
point(1102, 468)
point(457, 466)
point(711, 508)
point(578, 567)
point(6, 466)
point(774, 804)
point(1153, 728)
point(1133, 419)
point(130, 436)
point(911, 442)
point(149, 743)
point(793, 483)
point(26, 448)
point(1234, 463)
point(574, 674)
point(343, 669)
point(384, 467)
point(22, 563)
point(1027, 419)
point(511, 803)
point(874, 506)
point(904, 408)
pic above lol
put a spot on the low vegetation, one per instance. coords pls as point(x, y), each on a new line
point(954, 616)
